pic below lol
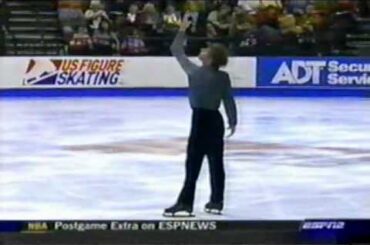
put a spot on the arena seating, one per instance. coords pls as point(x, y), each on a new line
point(32, 28)
point(360, 42)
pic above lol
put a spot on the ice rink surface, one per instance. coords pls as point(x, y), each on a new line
point(123, 158)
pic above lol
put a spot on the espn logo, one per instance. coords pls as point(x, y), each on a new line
point(321, 225)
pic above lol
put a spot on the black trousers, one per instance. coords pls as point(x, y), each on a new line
point(206, 139)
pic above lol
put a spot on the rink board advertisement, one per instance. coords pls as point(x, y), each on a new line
point(328, 72)
point(116, 72)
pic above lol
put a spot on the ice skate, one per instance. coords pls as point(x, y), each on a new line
point(214, 208)
point(179, 210)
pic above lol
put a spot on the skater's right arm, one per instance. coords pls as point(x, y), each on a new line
point(177, 49)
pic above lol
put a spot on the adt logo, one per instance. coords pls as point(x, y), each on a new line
point(300, 72)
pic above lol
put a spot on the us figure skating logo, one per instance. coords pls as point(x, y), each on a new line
point(74, 72)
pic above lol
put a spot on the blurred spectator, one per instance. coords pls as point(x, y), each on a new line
point(105, 40)
point(255, 5)
point(149, 19)
point(95, 15)
point(269, 16)
point(241, 22)
point(341, 24)
point(298, 6)
point(194, 6)
point(219, 21)
point(288, 25)
point(133, 44)
point(242, 26)
point(196, 12)
point(132, 15)
point(71, 15)
point(171, 19)
point(290, 32)
point(268, 33)
point(116, 9)
point(326, 6)
point(269, 36)
point(81, 43)
point(320, 23)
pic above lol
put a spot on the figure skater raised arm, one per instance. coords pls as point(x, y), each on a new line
point(208, 87)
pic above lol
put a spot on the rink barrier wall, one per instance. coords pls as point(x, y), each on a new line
point(111, 72)
point(162, 76)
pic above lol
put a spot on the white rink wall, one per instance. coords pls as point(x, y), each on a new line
point(110, 72)
point(253, 73)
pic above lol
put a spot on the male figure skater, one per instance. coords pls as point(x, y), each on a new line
point(208, 86)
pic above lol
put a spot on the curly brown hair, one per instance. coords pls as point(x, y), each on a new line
point(219, 55)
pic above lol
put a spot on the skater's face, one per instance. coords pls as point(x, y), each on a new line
point(205, 57)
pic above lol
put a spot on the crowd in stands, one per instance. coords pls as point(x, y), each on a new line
point(256, 27)
point(129, 27)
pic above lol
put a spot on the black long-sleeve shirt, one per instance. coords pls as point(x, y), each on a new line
point(207, 86)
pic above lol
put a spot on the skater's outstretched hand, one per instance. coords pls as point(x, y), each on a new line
point(232, 131)
point(185, 24)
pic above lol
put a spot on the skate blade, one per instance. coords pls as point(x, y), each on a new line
point(213, 211)
point(179, 215)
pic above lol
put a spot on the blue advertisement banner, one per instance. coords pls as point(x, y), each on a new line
point(325, 72)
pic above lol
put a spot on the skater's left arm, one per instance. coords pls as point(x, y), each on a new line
point(230, 106)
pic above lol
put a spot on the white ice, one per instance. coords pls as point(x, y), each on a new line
point(123, 158)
